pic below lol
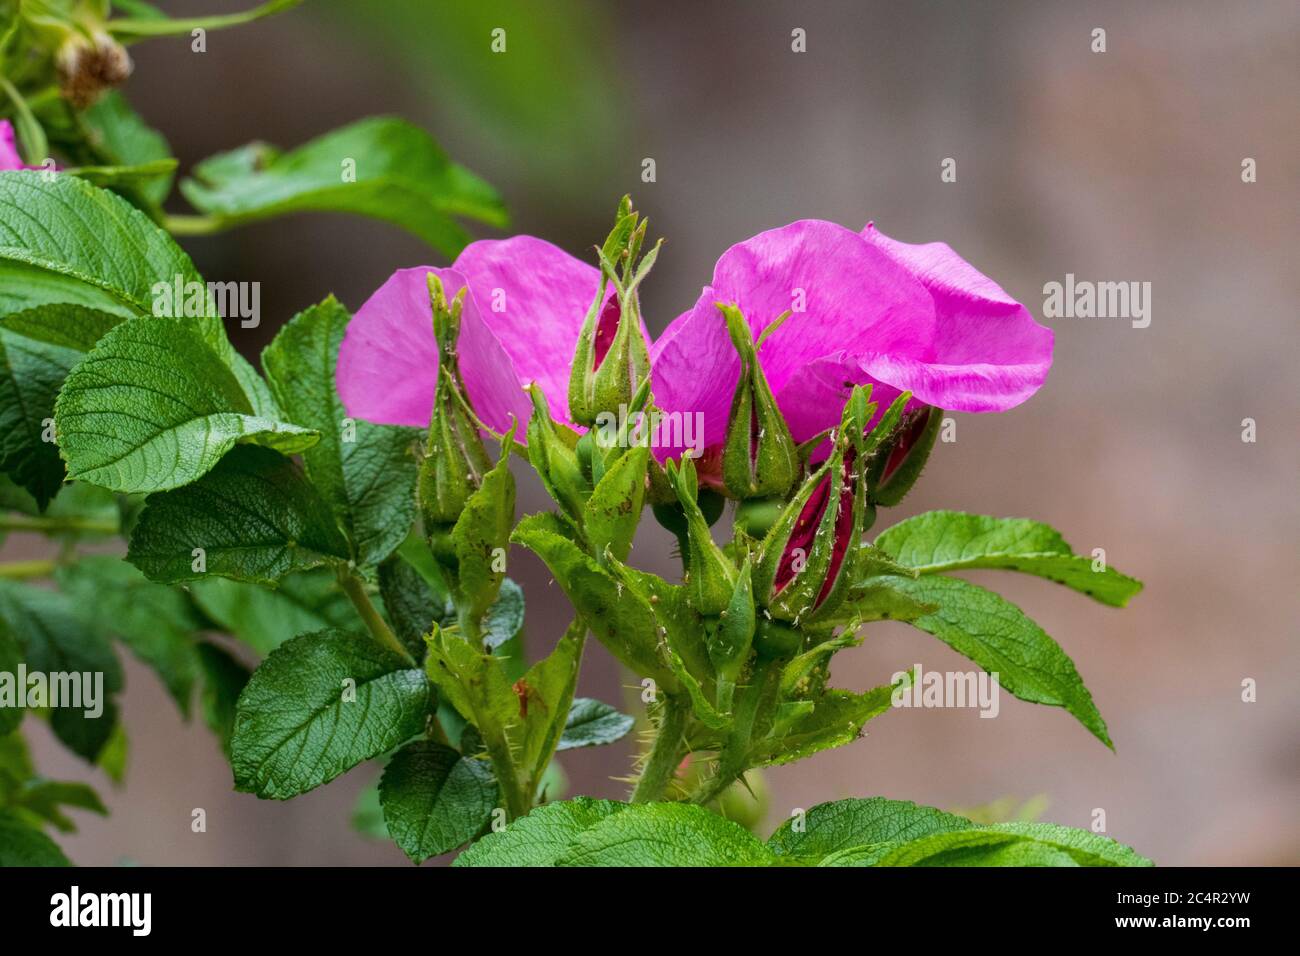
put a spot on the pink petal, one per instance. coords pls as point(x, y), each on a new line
point(533, 296)
point(9, 158)
point(988, 354)
point(852, 295)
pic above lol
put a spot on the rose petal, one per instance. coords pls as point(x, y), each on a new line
point(9, 157)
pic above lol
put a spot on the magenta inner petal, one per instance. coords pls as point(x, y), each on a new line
point(606, 329)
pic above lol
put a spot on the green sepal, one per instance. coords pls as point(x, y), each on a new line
point(552, 450)
point(480, 539)
point(894, 470)
point(759, 457)
point(454, 460)
point(612, 513)
point(712, 576)
point(733, 636)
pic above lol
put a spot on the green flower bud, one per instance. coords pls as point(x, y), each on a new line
point(710, 573)
point(611, 358)
point(552, 450)
point(759, 457)
point(898, 462)
point(806, 562)
point(455, 460)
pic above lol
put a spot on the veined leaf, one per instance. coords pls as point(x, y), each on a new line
point(843, 824)
point(939, 541)
point(996, 635)
point(119, 137)
point(365, 471)
point(152, 407)
point(254, 517)
point(224, 679)
point(837, 719)
point(156, 622)
point(63, 240)
point(381, 167)
point(505, 618)
point(592, 722)
point(264, 618)
point(318, 706)
point(621, 620)
point(434, 799)
point(57, 639)
point(540, 838)
point(666, 834)
point(38, 347)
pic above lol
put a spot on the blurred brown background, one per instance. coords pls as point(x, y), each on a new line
point(1117, 166)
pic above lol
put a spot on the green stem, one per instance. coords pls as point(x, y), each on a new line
point(665, 754)
point(355, 589)
point(24, 570)
point(56, 525)
point(192, 225)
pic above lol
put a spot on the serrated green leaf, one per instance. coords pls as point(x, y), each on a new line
point(939, 541)
point(398, 174)
point(545, 695)
point(152, 407)
point(119, 137)
point(223, 680)
point(540, 838)
point(365, 471)
point(1085, 847)
point(996, 635)
point(612, 513)
point(845, 824)
point(264, 618)
point(435, 800)
point(520, 722)
point(24, 845)
point(837, 719)
point(255, 517)
point(480, 536)
point(58, 637)
point(156, 622)
point(978, 847)
point(67, 241)
point(409, 604)
point(620, 619)
point(666, 834)
point(319, 705)
point(38, 348)
point(592, 722)
point(505, 618)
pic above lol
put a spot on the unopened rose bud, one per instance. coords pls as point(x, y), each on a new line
point(805, 566)
point(454, 460)
point(611, 358)
point(759, 457)
point(897, 464)
point(712, 576)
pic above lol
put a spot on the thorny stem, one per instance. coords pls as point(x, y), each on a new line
point(665, 754)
